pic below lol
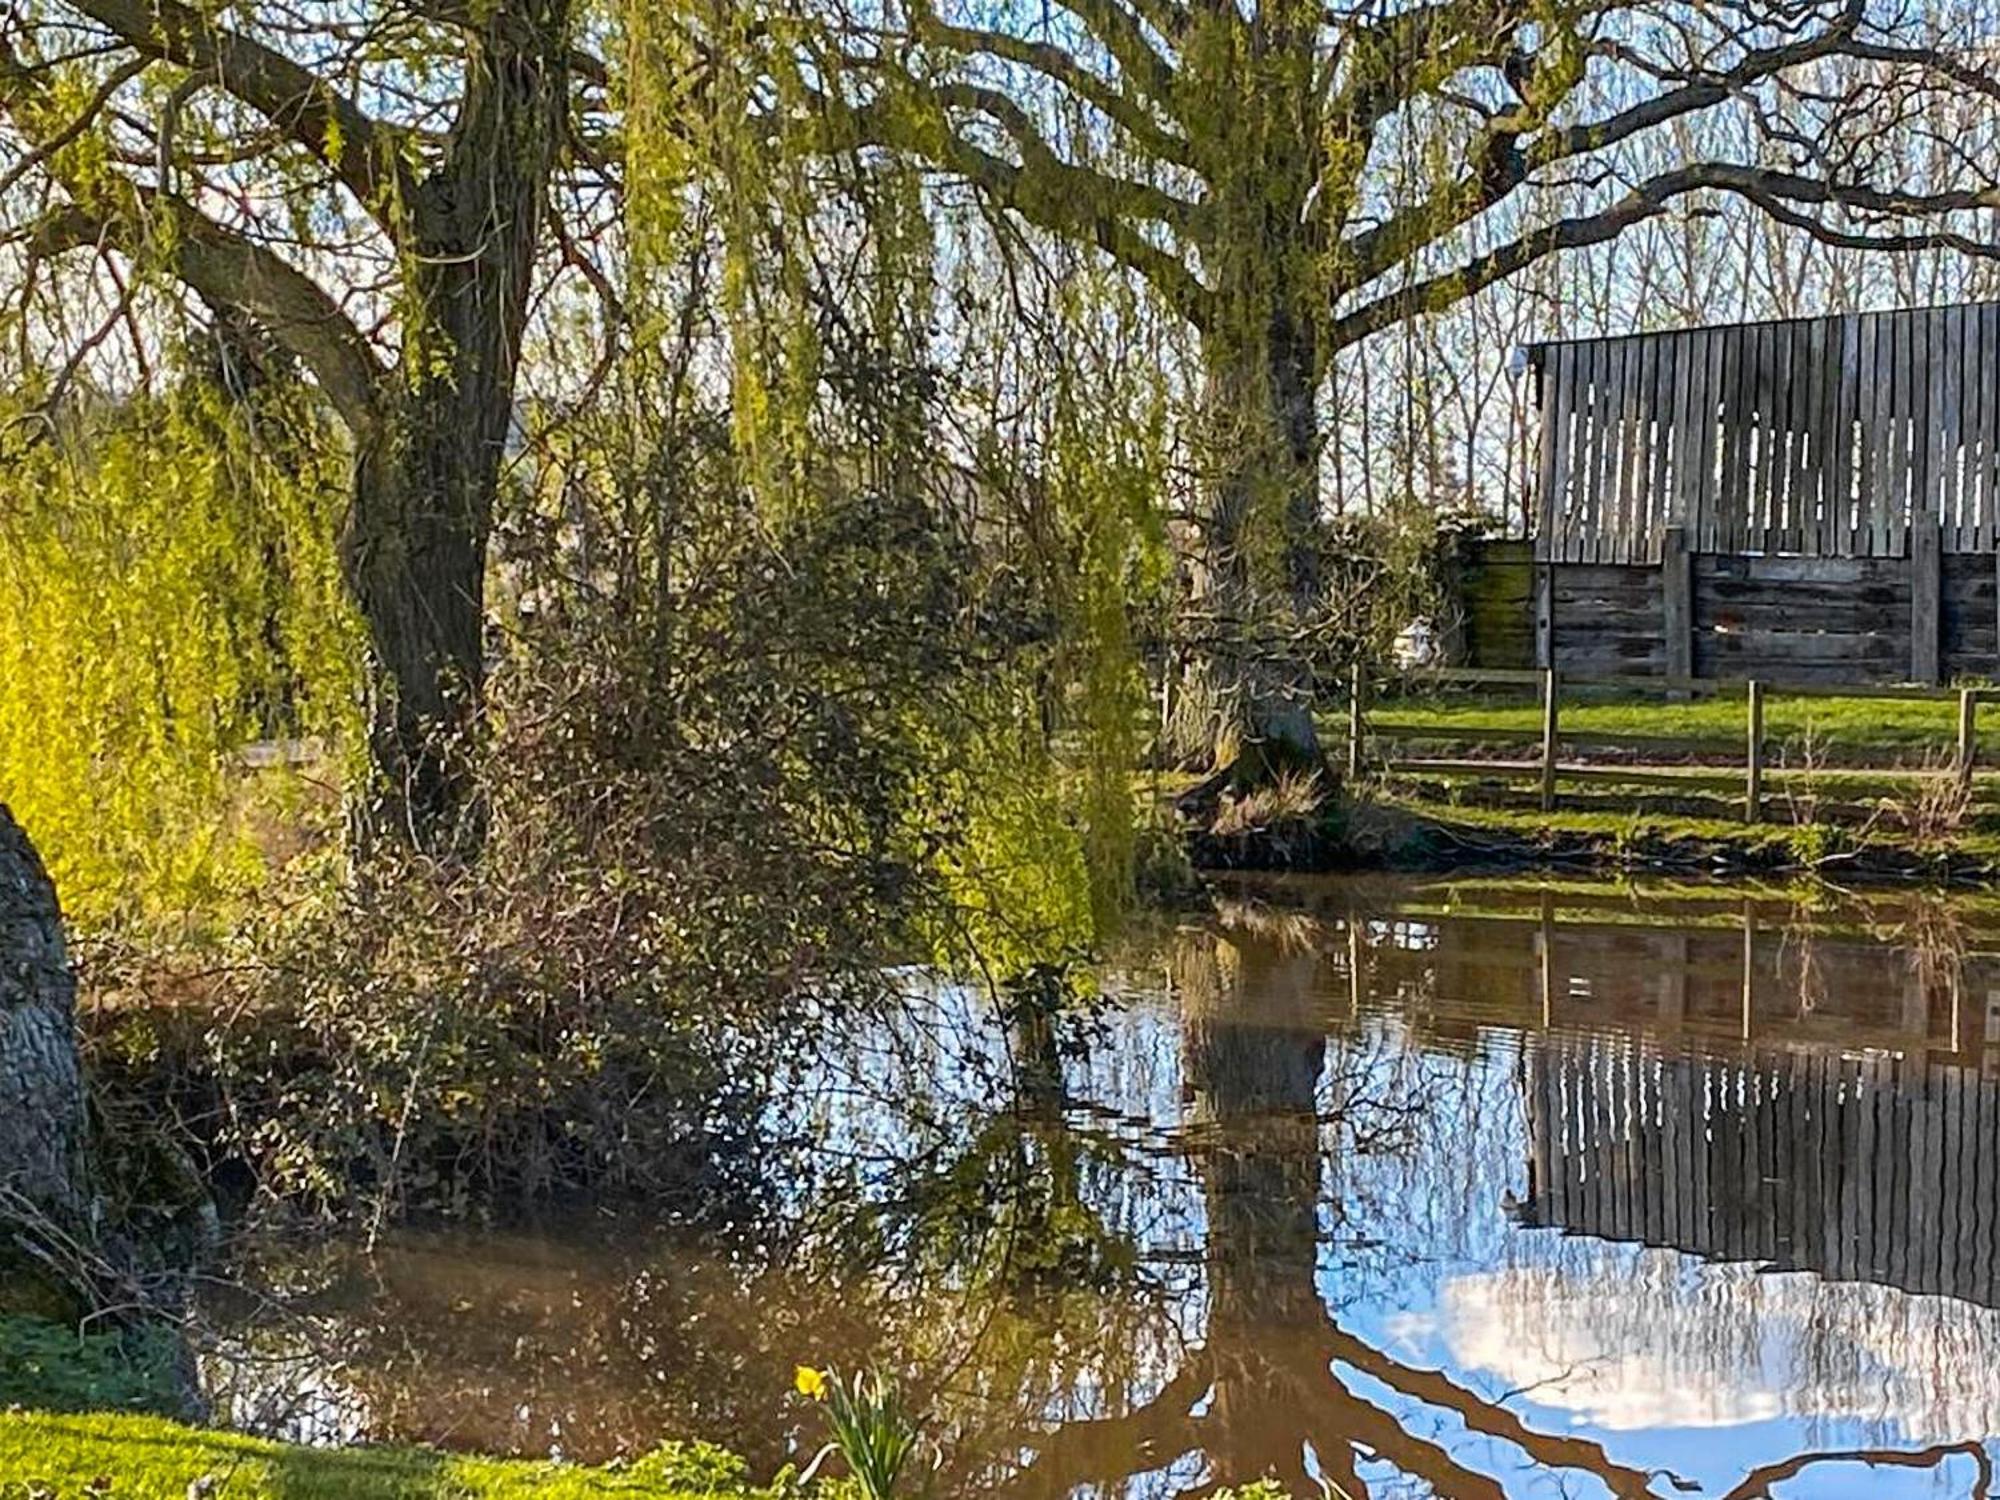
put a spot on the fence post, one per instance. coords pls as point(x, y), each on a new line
point(1357, 684)
point(1549, 690)
point(1968, 736)
point(1753, 790)
point(1925, 588)
point(1677, 605)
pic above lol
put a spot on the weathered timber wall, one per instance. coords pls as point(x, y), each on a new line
point(1496, 582)
point(1800, 619)
point(1823, 618)
point(1609, 621)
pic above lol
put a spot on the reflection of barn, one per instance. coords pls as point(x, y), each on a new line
point(1751, 1087)
point(1817, 498)
point(1872, 1168)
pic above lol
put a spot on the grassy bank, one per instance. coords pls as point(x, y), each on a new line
point(101, 1456)
point(107, 1456)
point(1894, 730)
point(1419, 828)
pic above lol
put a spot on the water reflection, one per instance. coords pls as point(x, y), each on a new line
point(1436, 1190)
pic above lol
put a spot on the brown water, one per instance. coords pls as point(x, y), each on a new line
point(1423, 1190)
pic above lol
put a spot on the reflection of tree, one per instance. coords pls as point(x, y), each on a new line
point(1264, 1386)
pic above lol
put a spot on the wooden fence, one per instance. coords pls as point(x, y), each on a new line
point(1863, 435)
point(1367, 747)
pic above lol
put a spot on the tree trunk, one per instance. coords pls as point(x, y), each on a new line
point(425, 487)
point(1256, 577)
point(42, 1103)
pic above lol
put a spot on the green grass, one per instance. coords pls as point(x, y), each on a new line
point(105, 1456)
point(1909, 726)
point(51, 1365)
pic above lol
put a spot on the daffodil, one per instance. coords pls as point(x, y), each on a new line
point(810, 1382)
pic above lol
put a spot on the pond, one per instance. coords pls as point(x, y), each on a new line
point(1469, 1190)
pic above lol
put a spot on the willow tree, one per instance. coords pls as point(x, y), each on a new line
point(368, 186)
point(1292, 176)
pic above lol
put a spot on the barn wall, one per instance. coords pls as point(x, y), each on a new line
point(1797, 619)
point(1495, 583)
point(1818, 619)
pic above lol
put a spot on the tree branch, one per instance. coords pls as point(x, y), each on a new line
point(1773, 191)
point(225, 268)
point(364, 153)
point(1060, 67)
point(1502, 163)
point(1051, 194)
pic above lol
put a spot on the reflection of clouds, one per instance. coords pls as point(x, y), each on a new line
point(1625, 1342)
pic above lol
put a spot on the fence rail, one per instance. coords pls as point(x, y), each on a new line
point(1548, 769)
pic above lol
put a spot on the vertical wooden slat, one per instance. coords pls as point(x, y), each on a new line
point(1802, 1168)
point(1989, 417)
point(1633, 532)
point(1545, 456)
point(1823, 511)
point(1983, 1187)
point(1687, 479)
point(1709, 409)
point(1841, 502)
point(1611, 448)
point(1864, 1174)
point(1903, 1148)
point(1660, 406)
point(1844, 1211)
point(1584, 442)
point(1706, 1113)
point(1740, 380)
point(1923, 430)
point(1673, 1156)
point(1604, 452)
point(1886, 507)
point(1980, 398)
point(1899, 415)
point(1947, 352)
point(1578, 381)
point(1769, 1157)
point(1805, 382)
point(1647, 455)
point(1763, 499)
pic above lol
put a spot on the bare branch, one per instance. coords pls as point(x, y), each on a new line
point(1773, 191)
point(364, 153)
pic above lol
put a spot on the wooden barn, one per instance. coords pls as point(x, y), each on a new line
point(1812, 500)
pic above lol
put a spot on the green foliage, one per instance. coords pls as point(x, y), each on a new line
point(169, 594)
point(874, 1431)
point(1108, 472)
point(57, 1367)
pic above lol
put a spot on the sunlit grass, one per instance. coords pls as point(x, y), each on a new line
point(1838, 725)
point(145, 1458)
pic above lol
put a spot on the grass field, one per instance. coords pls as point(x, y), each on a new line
point(115, 1457)
point(1845, 728)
